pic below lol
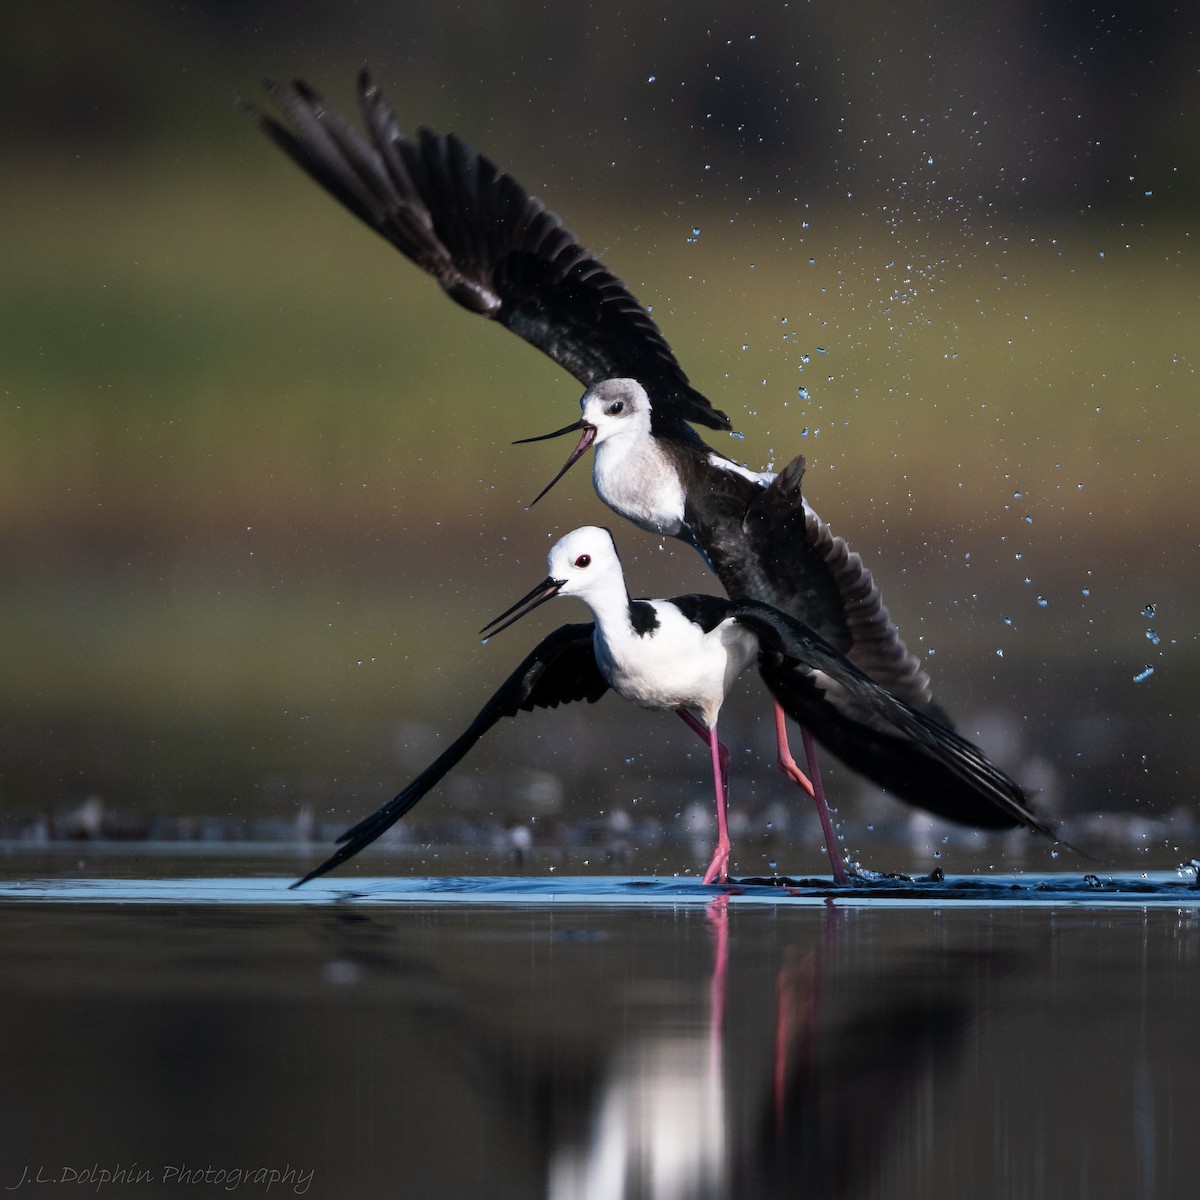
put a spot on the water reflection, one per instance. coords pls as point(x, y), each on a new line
point(658, 1050)
point(657, 1125)
point(668, 1120)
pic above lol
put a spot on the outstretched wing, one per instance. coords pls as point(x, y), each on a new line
point(494, 248)
point(809, 572)
point(882, 737)
point(560, 669)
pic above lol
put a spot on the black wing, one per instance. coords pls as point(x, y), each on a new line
point(902, 749)
point(560, 669)
point(494, 248)
point(805, 570)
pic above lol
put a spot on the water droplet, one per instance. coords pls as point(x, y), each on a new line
point(804, 432)
point(1042, 601)
point(1152, 637)
point(1086, 592)
point(1143, 674)
point(802, 392)
point(1028, 520)
point(1149, 611)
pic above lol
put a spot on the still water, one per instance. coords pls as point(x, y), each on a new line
point(580, 1038)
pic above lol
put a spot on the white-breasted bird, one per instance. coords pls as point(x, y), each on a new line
point(684, 654)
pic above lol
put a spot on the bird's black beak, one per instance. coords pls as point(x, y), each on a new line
point(589, 436)
point(546, 590)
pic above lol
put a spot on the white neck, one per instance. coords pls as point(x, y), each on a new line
point(608, 599)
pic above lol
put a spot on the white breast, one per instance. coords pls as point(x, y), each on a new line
point(636, 479)
point(676, 665)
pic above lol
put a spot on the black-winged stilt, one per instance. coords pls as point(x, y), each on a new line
point(498, 252)
point(684, 654)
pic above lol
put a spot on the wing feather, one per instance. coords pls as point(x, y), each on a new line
point(903, 749)
point(493, 248)
point(560, 669)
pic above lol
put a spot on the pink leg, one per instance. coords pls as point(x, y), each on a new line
point(720, 768)
point(787, 764)
point(693, 723)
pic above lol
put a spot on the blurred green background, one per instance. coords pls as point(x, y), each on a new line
point(256, 486)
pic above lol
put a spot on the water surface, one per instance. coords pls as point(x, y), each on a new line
point(579, 1038)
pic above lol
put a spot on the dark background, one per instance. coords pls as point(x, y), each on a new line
point(256, 487)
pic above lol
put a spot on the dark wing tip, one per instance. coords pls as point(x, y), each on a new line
point(714, 418)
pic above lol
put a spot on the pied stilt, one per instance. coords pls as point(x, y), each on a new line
point(684, 654)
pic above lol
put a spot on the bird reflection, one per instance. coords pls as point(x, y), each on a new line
point(659, 1126)
point(669, 1114)
point(803, 1061)
point(843, 1096)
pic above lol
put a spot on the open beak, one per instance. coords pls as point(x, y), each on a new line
point(585, 442)
point(546, 590)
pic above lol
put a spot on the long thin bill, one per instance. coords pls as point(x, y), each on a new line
point(545, 437)
point(585, 442)
point(546, 590)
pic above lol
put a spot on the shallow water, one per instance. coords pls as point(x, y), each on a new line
point(601, 1037)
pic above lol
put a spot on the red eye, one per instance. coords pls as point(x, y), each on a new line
point(584, 560)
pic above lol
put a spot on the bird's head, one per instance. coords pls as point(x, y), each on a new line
point(583, 563)
point(614, 408)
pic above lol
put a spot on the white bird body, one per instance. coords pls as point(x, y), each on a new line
point(685, 653)
point(632, 471)
point(635, 473)
point(677, 665)
point(650, 651)
point(682, 654)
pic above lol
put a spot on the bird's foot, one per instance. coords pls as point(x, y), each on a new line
point(718, 871)
point(792, 770)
